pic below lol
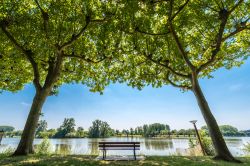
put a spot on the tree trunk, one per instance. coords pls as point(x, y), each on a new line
point(220, 146)
point(25, 145)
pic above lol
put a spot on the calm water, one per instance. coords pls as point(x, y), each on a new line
point(149, 146)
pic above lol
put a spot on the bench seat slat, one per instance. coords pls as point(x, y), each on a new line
point(119, 142)
point(119, 146)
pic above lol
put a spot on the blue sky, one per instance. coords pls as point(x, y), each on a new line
point(228, 95)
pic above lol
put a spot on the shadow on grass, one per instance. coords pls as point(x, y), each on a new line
point(78, 160)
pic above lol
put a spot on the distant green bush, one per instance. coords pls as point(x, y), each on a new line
point(7, 128)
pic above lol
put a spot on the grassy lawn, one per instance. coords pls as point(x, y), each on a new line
point(75, 160)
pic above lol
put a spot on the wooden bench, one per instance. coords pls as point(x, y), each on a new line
point(104, 146)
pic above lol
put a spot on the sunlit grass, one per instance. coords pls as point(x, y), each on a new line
point(75, 160)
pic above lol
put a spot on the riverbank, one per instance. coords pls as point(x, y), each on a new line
point(77, 160)
point(149, 146)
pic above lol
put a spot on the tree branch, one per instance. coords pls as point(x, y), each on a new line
point(179, 10)
point(235, 6)
point(27, 53)
point(176, 85)
point(82, 57)
point(239, 29)
point(177, 40)
point(45, 17)
point(223, 16)
point(149, 33)
point(165, 66)
point(77, 36)
point(158, 1)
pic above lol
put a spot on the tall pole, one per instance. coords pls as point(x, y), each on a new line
point(198, 136)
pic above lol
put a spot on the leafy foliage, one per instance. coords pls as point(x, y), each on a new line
point(36, 36)
point(247, 147)
point(67, 127)
point(170, 42)
point(7, 128)
point(100, 129)
point(154, 129)
point(207, 143)
point(42, 126)
point(228, 130)
point(44, 148)
point(48, 133)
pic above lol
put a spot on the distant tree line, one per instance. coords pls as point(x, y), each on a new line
point(7, 128)
point(101, 129)
point(228, 130)
point(151, 130)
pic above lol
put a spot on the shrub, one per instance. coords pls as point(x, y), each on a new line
point(207, 143)
point(44, 147)
point(246, 148)
point(191, 143)
point(8, 151)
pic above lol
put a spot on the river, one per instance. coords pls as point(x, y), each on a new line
point(149, 146)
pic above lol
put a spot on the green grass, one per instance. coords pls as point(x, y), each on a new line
point(79, 160)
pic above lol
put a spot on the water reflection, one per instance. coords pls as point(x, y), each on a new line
point(63, 149)
point(158, 144)
point(149, 146)
point(93, 146)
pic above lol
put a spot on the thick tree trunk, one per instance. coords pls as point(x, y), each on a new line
point(220, 146)
point(25, 145)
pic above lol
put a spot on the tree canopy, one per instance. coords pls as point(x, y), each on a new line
point(34, 32)
point(163, 42)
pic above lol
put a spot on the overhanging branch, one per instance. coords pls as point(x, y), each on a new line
point(223, 15)
point(179, 10)
point(83, 57)
point(26, 52)
point(239, 29)
point(77, 36)
point(45, 17)
point(165, 66)
point(235, 6)
point(177, 40)
point(152, 34)
point(176, 85)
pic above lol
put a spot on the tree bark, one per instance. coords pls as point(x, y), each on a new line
point(25, 145)
point(220, 146)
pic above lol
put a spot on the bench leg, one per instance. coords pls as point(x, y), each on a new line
point(134, 155)
point(103, 152)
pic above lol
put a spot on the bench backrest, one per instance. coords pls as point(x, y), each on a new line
point(119, 145)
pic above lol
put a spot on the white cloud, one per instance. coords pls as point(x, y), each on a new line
point(25, 104)
point(235, 87)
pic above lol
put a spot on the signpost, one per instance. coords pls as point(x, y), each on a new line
point(198, 136)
